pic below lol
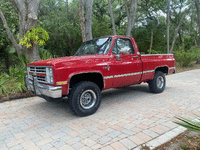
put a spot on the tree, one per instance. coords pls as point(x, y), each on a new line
point(177, 28)
point(168, 5)
point(27, 10)
point(131, 14)
point(112, 17)
point(86, 19)
point(198, 15)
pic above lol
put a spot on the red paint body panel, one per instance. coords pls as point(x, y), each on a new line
point(131, 69)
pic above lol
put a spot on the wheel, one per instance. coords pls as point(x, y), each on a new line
point(157, 84)
point(84, 98)
point(50, 99)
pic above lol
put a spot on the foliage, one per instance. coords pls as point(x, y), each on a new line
point(189, 124)
point(36, 35)
point(186, 58)
point(45, 54)
point(153, 52)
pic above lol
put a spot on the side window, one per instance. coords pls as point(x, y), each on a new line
point(123, 46)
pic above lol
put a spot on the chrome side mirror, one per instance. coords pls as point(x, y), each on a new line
point(118, 56)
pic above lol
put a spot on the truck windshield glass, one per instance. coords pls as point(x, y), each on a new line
point(99, 46)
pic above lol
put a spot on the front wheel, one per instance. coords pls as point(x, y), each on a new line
point(84, 98)
point(157, 84)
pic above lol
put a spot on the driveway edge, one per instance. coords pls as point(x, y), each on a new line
point(163, 138)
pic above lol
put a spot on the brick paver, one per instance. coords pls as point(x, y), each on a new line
point(128, 117)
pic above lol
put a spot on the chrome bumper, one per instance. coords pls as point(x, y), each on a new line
point(42, 89)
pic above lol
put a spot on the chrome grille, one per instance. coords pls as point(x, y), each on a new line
point(41, 79)
point(38, 70)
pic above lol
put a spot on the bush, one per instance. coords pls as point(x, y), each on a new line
point(186, 58)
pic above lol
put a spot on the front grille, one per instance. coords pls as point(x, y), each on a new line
point(38, 70)
point(41, 79)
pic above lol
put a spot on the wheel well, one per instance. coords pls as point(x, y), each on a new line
point(162, 69)
point(93, 77)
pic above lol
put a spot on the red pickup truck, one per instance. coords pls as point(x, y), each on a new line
point(99, 64)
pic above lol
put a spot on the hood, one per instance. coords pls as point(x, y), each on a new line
point(60, 61)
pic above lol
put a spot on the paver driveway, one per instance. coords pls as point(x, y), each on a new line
point(128, 117)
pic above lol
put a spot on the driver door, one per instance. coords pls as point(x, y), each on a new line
point(127, 69)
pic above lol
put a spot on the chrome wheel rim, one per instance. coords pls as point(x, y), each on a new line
point(160, 82)
point(88, 99)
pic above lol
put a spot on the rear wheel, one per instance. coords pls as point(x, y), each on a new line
point(84, 98)
point(157, 84)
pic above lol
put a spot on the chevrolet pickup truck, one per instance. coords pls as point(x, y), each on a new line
point(99, 64)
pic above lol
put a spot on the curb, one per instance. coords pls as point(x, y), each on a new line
point(163, 138)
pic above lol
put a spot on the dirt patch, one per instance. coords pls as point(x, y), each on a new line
point(14, 96)
point(181, 69)
point(188, 140)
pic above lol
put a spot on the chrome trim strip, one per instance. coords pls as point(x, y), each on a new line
point(148, 71)
point(172, 68)
point(154, 54)
point(122, 75)
point(108, 77)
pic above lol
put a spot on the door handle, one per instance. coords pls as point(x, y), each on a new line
point(134, 56)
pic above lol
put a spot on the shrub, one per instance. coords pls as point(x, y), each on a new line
point(186, 58)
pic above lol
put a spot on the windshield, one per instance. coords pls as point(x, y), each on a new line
point(95, 47)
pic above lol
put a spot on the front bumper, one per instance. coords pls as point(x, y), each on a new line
point(42, 89)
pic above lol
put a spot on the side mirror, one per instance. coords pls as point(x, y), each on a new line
point(118, 56)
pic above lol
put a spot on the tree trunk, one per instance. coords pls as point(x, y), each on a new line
point(82, 21)
point(27, 19)
point(10, 36)
point(151, 42)
point(191, 28)
point(176, 31)
point(180, 37)
point(112, 17)
point(66, 6)
point(168, 5)
point(198, 15)
point(86, 20)
point(131, 17)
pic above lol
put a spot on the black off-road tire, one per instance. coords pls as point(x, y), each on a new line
point(157, 84)
point(78, 95)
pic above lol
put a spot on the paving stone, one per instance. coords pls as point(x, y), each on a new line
point(151, 133)
point(104, 139)
point(128, 143)
point(114, 134)
point(77, 145)
point(128, 132)
point(94, 137)
point(17, 147)
point(118, 146)
point(58, 143)
point(46, 146)
point(73, 140)
point(88, 142)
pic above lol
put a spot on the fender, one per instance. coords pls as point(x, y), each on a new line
point(83, 72)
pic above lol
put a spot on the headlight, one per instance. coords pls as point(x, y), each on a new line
point(49, 73)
